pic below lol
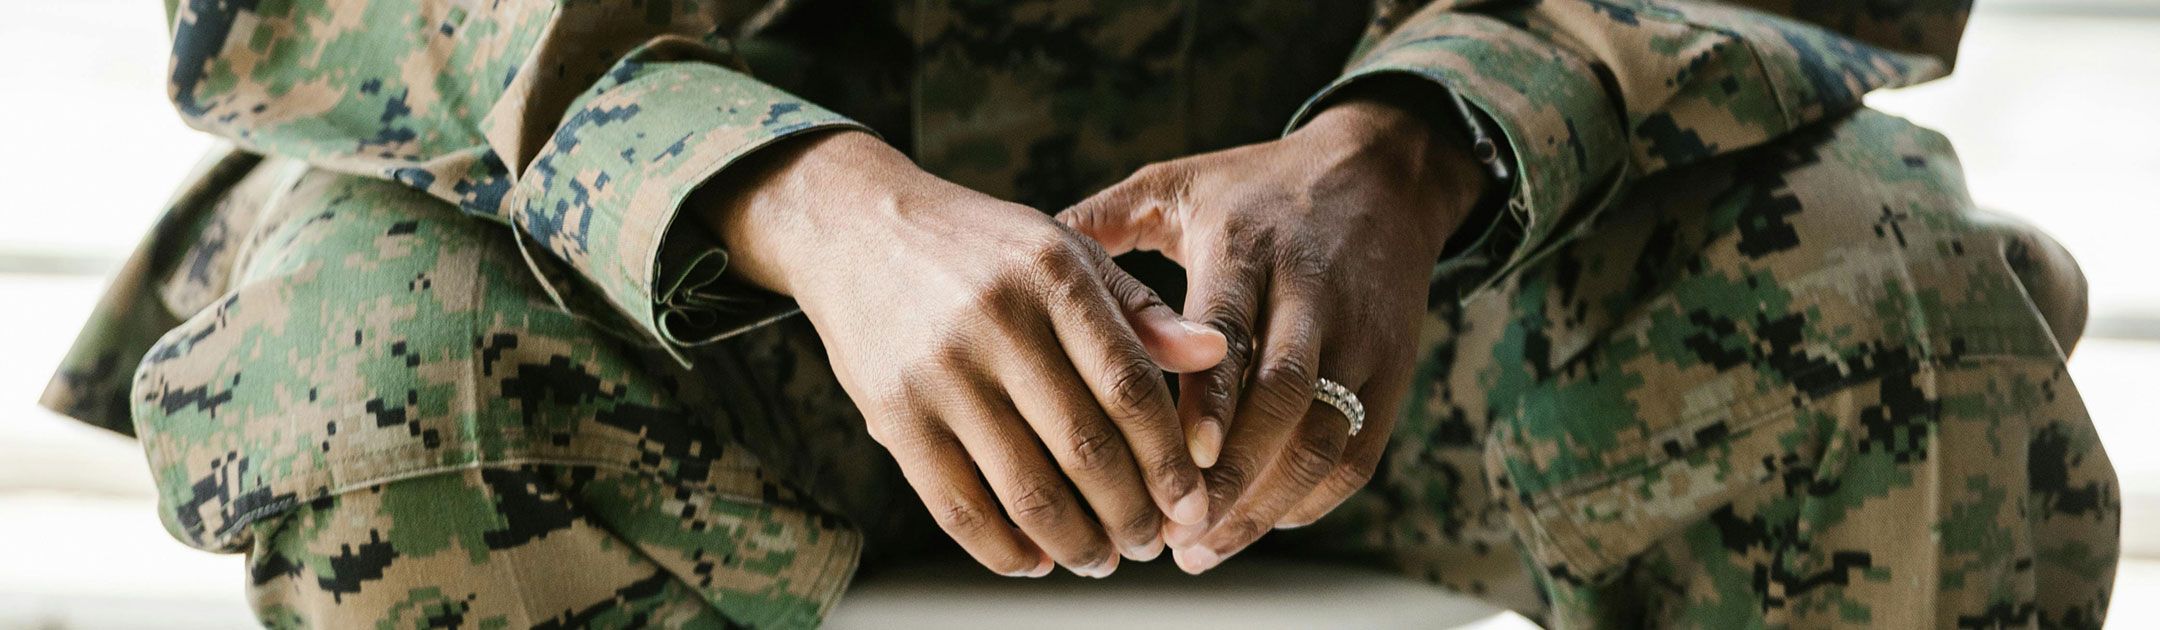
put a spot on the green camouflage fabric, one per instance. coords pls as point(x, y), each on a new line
point(1807, 386)
point(377, 402)
point(428, 345)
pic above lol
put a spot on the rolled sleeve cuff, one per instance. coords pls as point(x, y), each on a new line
point(603, 195)
point(1559, 125)
point(696, 302)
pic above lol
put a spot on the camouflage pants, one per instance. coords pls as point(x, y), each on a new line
point(1806, 386)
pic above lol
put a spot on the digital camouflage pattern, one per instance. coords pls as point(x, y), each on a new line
point(1807, 386)
point(427, 344)
point(372, 391)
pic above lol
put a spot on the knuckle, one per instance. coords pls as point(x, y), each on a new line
point(1093, 448)
point(1310, 461)
point(1053, 255)
point(1284, 387)
point(1069, 293)
point(898, 393)
point(998, 298)
point(1287, 371)
point(1037, 503)
point(1130, 299)
point(1131, 389)
point(880, 433)
point(884, 432)
point(960, 517)
point(1141, 523)
point(1230, 474)
point(891, 418)
point(1171, 470)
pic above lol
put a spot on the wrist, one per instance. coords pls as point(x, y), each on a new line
point(1427, 156)
point(782, 205)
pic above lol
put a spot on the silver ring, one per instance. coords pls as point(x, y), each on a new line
point(1339, 397)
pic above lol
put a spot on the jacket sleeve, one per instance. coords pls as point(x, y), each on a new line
point(1590, 94)
point(585, 125)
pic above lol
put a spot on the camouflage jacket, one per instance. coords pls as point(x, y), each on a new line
point(581, 127)
point(584, 124)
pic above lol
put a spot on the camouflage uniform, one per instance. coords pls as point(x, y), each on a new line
point(427, 343)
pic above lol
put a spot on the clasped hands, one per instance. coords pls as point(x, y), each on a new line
point(987, 343)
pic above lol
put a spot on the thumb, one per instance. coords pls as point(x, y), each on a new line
point(1175, 343)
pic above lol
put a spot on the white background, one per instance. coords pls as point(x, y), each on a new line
point(2053, 109)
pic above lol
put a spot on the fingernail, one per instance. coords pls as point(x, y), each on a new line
point(1196, 560)
point(1180, 535)
point(1191, 509)
point(1098, 570)
point(1206, 443)
point(1197, 328)
point(1042, 567)
point(1148, 551)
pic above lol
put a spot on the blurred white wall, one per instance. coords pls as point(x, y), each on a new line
point(2052, 109)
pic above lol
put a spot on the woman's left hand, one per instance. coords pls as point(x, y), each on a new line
point(1312, 253)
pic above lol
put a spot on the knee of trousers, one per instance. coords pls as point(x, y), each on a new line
point(1786, 345)
point(373, 333)
point(538, 545)
point(2045, 269)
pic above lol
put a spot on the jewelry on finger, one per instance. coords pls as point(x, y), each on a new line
point(1339, 397)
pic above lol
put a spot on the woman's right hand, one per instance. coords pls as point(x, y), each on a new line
point(974, 335)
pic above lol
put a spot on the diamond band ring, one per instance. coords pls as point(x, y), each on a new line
point(1339, 397)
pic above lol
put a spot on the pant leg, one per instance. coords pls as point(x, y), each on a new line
point(501, 546)
point(380, 405)
point(1806, 386)
point(1809, 386)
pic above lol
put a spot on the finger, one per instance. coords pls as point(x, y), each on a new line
point(1359, 461)
point(1350, 476)
point(1133, 215)
point(1136, 214)
point(1294, 473)
point(1281, 391)
point(1224, 294)
point(1090, 450)
point(1034, 493)
point(1175, 343)
point(1107, 357)
point(939, 470)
